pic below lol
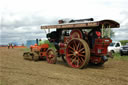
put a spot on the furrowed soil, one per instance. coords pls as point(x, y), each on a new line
point(14, 70)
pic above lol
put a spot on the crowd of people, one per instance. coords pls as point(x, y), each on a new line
point(10, 45)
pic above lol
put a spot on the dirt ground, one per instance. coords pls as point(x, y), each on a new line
point(14, 70)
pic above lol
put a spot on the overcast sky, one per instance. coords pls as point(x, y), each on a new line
point(20, 20)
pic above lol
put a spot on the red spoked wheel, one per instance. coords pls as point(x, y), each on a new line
point(77, 53)
point(76, 33)
point(51, 56)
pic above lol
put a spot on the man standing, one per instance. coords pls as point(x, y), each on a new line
point(8, 45)
point(12, 45)
point(41, 42)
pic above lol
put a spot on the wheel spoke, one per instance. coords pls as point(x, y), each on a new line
point(81, 50)
point(78, 46)
point(73, 57)
point(75, 44)
point(81, 59)
point(81, 55)
point(73, 60)
point(70, 55)
point(71, 51)
point(74, 47)
point(71, 48)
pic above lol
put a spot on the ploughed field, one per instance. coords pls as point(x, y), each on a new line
point(14, 70)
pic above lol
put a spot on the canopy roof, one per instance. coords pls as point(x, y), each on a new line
point(89, 24)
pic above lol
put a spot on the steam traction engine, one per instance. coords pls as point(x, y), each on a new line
point(78, 46)
point(80, 42)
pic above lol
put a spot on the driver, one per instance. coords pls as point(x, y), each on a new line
point(94, 34)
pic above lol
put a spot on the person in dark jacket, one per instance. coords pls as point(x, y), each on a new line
point(94, 34)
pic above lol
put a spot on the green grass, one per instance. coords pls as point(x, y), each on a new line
point(117, 56)
point(25, 49)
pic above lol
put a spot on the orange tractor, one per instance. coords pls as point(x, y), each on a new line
point(78, 42)
point(37, 52)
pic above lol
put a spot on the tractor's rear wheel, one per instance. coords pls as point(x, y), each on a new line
point(51, 56)
point(77, 53)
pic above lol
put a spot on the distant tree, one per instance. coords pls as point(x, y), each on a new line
point(106, 31)
point(112, 33)
point(123, 42)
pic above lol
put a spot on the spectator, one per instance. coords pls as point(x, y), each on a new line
point(8, 45)
point(41, 42)
point(12, 45)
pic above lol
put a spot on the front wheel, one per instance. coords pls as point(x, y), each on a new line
point(51, 56)
point(112, 51)
point(77, 53)
point(121, 53)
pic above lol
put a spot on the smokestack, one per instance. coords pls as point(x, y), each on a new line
point(37, 42)
point(80, 20)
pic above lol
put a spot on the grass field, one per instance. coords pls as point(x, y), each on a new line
point(117, 56)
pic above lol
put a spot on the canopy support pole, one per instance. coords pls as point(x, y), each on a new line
point(102, 30)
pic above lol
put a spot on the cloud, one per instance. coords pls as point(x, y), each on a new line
point(122, 32)
point(21, 19)
point(18, 28)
